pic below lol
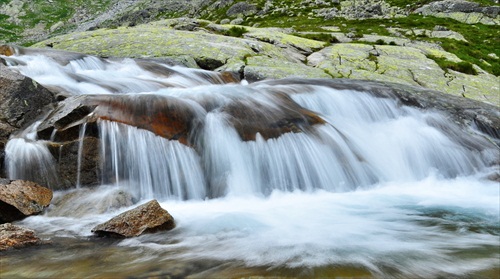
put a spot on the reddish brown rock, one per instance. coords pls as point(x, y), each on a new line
point(19, 199)
point(6, 50)
point(286, 116)
point(146, 218)
point(167, 117)
point(16, 237)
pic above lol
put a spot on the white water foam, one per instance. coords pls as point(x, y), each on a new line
point(379, 186)
point(422, 229)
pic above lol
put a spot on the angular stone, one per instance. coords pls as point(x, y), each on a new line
point(19, 199)
point(21, 98)
point(146, 218)
point(16, 237)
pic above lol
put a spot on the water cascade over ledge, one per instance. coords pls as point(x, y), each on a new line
point(293, 174)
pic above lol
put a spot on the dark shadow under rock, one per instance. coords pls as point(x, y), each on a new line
point(19, 199)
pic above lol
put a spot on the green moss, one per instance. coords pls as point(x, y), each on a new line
point(236, 31)
point(481, 39)
point(412, 4)
point(322, 37)
point(463, 67)
point(46, 14)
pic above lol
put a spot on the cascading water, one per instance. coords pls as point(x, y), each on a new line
point(374, 186)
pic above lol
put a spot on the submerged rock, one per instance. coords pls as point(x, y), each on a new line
point(19, 199)
point(146, 218)
point(16, 237)
point(89, 201)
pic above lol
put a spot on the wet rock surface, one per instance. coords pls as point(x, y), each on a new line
point(67, 153)
point(469, 113)
point(21, 101)
point(15, 237)
point(21, 98)
point(146, 218)
point(19, 199)
point(89, 201)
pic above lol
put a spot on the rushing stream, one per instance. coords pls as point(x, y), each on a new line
point(378, 189)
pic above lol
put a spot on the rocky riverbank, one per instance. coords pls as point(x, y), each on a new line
point(273, 53)
point(440, 45)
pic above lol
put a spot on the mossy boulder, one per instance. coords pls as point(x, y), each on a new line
point(463, 11)
point(276, 37)
point(210, 51)
point(265, 53)
point(406, 65)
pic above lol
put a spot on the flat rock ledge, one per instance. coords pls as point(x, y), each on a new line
point(146, 218)
point(15, 237)
point(20, 198)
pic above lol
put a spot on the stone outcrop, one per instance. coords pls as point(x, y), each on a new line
point(19, 199)
point(146, 218)
point(275, 53)
point(464, 11)
point(407, 65)
point(359, 9)
point(15, 237)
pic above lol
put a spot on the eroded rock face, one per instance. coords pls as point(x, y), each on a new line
point(12, 236)
point(19, 199)
point(406, 65)
point(146, 218)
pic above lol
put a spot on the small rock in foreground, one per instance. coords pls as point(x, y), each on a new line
point(146, 218)
point(16, 237)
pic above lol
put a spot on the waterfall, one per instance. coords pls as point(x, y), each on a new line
point(27, 158)
point(364, 139)
point(284, 177)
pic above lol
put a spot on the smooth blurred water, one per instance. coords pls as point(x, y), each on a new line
point(379, 190)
